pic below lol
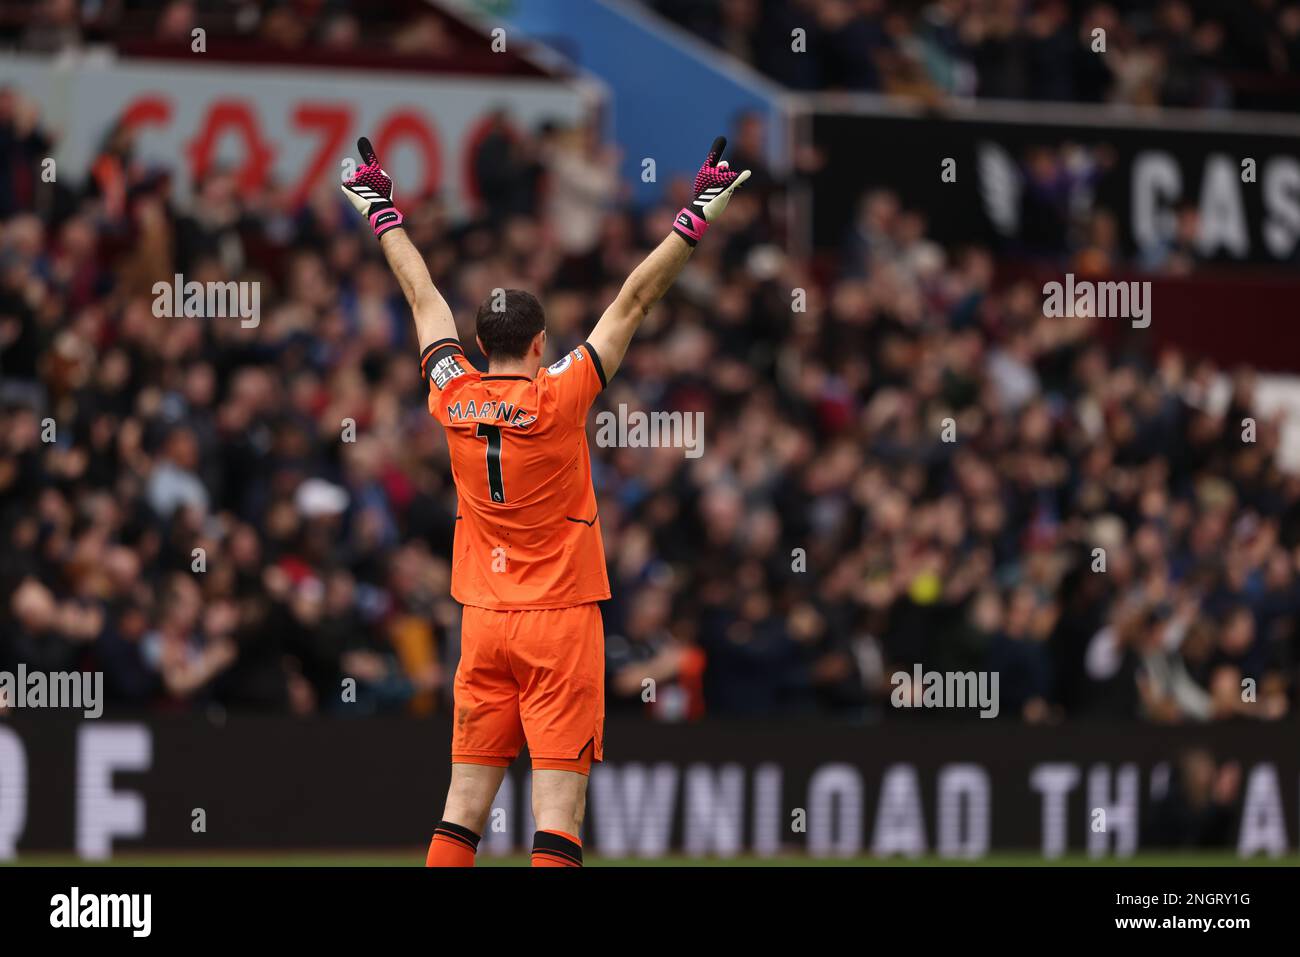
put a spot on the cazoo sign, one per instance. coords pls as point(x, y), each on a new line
point(292, 127)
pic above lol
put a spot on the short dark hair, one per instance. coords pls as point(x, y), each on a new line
point(507, 321)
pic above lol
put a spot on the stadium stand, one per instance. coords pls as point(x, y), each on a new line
point(1211, 54)
point(823, 426)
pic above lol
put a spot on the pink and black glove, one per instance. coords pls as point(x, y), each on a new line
point(714, 184)
point(371, 192)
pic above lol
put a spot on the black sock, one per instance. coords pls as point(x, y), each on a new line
point(557, 847)
point(458, 833)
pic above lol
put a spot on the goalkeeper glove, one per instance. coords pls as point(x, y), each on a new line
point(371, 192)
point(714, 184)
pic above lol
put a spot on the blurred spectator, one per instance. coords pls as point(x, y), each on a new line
point(582, 184)
point(54, 26)
point(1197, 806)
point(501, 172)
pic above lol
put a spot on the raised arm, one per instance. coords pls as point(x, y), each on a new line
point(646, 286)
point(433, 319)
point(714, 185)
point(371, 192)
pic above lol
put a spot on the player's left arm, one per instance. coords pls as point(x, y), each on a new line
point(647, 284)
point(371, 192)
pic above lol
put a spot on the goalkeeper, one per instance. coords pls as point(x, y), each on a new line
point(528, 563)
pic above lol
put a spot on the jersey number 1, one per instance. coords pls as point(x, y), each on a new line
point(493, 435)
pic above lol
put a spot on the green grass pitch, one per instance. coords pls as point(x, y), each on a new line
point(415, 858)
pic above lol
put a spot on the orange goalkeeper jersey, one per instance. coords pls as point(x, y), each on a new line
point(527, 532)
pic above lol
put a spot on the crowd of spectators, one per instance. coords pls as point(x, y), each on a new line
point(1216, 54)
point(398, 27)
point(1193, 53)
point(904, 462)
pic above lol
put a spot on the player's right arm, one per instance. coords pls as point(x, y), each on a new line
point(714, 185)
point(371, 192)
point(433, 319)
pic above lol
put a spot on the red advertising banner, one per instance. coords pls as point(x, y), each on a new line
point(295, 127)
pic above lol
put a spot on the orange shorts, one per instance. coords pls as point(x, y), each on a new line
point(535, 677)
